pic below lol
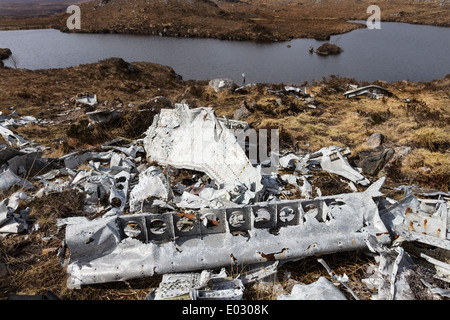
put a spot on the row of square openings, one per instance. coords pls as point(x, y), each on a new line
point(169, 226)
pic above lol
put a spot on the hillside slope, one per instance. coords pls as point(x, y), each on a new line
point(260, 20)
point(198, 18)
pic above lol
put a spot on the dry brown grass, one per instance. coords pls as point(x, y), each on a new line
point(422, 124)
point(239, 20)
point(48, 208)
point(309, 270)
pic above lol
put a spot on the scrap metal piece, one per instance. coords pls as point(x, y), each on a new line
point(119, 190)
point(194, 139)
point(131, 151)
point(342, 279)
point(306, 188)
point(419, 220)
point(10, 221)
point(442, 268)
point(9, 179)
point(7, 153)
point(322, 289)
point(153, 183)
point(435, 290)
point(260, 272)
point(13, 139)
point(27, 162)
point(88, 99)
point(391, 278)
point(198, 286)
point(130, 246)
point(74, 160)
point(102, 116)
point(372, 91)
point(333, 161)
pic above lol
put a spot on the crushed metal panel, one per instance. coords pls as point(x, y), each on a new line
point(153, 183)
point(373, 91)
point(419, 220)
point(333, 161)
point(195, 139)
point(131, 246)
point(9, 179)
point(88, 99)
point(322, 289)
point(394, 268)
point(75, 159)
point(7, 153)
point(13, 139)
point(198, 286)
point(102, 116)
point(10, 221)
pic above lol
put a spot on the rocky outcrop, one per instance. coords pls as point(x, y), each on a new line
point(220, 85)
point(328, 48)
point(4, 54)
point(372, 161)
point(374, 158)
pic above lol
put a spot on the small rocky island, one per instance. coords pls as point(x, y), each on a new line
point(328, 48)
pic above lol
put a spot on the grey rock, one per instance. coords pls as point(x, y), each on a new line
point(221, 84)
point(372, 161)
point(375, 140)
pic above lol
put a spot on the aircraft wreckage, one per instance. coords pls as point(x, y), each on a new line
point(130, 246)
point(142, 244)
point(236, 219)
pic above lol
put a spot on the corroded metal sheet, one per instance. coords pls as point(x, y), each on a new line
point(130, 246)
point(195, 139)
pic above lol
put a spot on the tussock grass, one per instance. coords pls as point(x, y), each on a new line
point(421, 124)
point(48, 208)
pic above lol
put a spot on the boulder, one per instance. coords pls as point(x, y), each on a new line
point(221, 84)
point(5, 54)
point(241, 113)
point(374, 141)
point(372, 161)
point(328, 48)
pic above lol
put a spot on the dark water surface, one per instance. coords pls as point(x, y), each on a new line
point(395, 52)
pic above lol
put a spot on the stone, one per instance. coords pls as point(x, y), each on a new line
point(221, 84)
point(5, 53)
point(401, 152)
point(374, 141)
point(241, 113)
point(372, 161)
point(424, 170)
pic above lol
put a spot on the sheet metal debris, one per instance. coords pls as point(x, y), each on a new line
point(195, 139)
point(422, 220)
point(393, 270)
point(322, 289)
point(331, 159)
point(90, 99)
point(101, 250)
point(198, 286)
point(12, 221)
point(226, 214)
point(372, 91)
